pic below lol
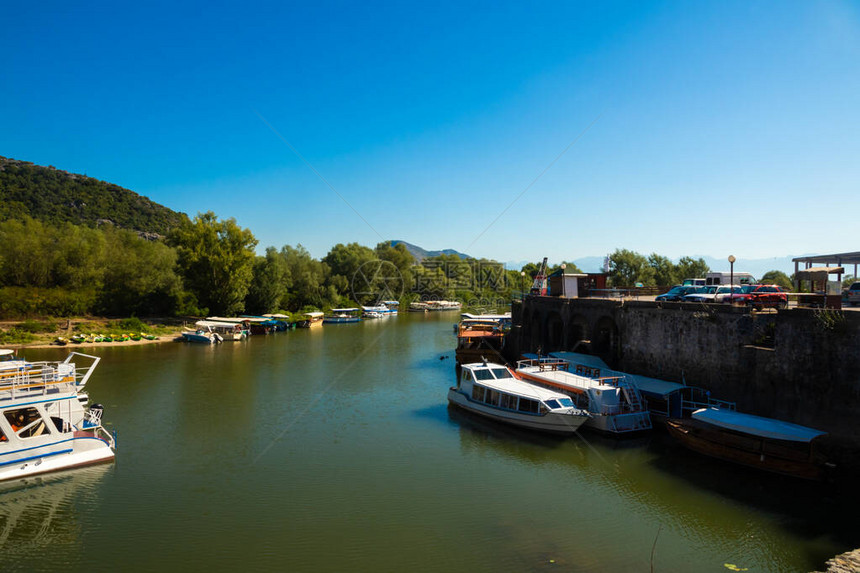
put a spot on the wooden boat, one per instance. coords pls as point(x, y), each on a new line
point(492, 391)
point(480, 335)
point(614, 402)
point(754, 441)
point(417, 307)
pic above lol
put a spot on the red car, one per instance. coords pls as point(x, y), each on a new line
point(759, 296)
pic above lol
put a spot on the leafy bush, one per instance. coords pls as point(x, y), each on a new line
point(15, 336)
point(32, 301)
point(132, 324)
point(36, 327)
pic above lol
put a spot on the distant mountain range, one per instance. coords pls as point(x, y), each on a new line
point(593, 264)
point(54, 196)
point(421, 254)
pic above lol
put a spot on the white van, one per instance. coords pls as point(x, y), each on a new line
point(725, 277)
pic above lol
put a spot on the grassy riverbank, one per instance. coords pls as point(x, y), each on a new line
point(46, 332)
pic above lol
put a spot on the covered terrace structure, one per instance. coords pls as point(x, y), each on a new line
point(817, 270)
point(836, 260)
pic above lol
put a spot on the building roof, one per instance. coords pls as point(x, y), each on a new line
point(834, 259)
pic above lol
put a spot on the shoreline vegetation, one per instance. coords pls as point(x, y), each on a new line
point(73, 246)
point(45, 333)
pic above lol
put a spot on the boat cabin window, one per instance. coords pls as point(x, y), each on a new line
point(509, 402)
point(560, 403)
point(3, 437)
point(59, 423)
point(478, 393)
point(501, 373)
point(527, 405)
point(491, 397)
point(26, 422)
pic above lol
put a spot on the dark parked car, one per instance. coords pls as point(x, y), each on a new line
point(677, 293)
point(759, 296)
point(853, 294)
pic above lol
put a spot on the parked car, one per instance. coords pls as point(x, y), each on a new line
point(853, 294)
point(723, 292)
point(677, 293)
point(759, 296)
point(705, 295)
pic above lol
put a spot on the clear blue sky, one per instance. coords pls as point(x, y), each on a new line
point(703, 128)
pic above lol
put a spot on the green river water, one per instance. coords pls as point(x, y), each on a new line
point(333, 449)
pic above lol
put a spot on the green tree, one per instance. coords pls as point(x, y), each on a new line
point(269, 283)
point(777, 278)
point(216, 260)
point(690, 268)
point(665, 272)
point(141, 279)
point(401, 258)
point(309, 281)
point(626, 268)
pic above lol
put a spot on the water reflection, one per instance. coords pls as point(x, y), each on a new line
point(41, 514)
point(730, 515)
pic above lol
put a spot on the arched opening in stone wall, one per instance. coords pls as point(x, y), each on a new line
point(605, 341)
point(527, 324)
point(555, 333)
point(577, 332)
point(536, 337)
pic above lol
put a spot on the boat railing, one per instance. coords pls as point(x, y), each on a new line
point(544, 364)
point(82, 373)
point(694, 398)
point(690, 406)
point(37, 378)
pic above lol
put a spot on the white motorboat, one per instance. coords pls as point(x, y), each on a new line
point(377, 311)
point(491, 390)
point(204, 334)
point(44, 425)
point(343, 316)
point(441, 305)
point(614, 402)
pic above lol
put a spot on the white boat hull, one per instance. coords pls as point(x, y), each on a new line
point(620, 423)
point(55, 457)
point(551, 422)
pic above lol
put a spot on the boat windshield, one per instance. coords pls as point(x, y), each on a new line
point(501, 373)
point(559, 403)
point(482, 375)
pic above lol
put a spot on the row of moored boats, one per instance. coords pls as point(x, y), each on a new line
point(565, 391)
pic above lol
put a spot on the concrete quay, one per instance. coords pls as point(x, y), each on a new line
point(799, 365)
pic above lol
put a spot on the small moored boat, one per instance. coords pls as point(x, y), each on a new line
point(754, 441)
point(491, 390)
point(312, 320)
point(204, 334)
point(343, 315)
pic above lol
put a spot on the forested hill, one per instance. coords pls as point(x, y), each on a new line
point(53, 196)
